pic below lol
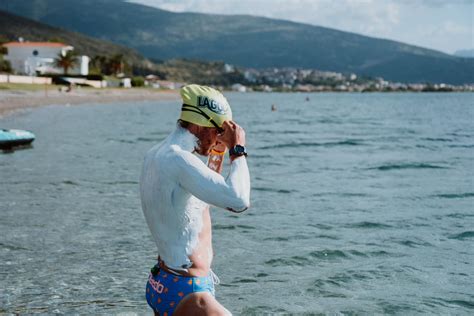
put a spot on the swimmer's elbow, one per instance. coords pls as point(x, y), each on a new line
point(241, 206)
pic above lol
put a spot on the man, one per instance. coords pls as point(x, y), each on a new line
point(176, 189)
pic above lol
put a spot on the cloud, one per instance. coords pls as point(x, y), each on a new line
point(445, 29)
point(358, 15)
point(435, 3)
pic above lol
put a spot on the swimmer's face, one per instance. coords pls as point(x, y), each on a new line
point(207, 138)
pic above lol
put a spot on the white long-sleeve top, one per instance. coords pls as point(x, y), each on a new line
point(175, 186)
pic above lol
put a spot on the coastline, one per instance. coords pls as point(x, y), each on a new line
point(12, 100)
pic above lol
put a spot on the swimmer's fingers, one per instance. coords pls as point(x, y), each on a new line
point(228, 126)
point(233, 134)
point(228, 136)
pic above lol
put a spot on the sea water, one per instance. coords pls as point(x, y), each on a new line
point(361, 204)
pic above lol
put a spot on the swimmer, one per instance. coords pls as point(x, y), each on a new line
point(274, 108)
point(176, 189)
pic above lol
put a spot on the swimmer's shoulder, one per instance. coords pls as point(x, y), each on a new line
point(180, 156)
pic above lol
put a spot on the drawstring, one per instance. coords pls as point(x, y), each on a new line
point(215, 278)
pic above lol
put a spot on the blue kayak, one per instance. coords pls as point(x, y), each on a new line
point(14, 137)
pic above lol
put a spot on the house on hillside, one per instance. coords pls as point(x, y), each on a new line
point(167, 84)
point(33, 58)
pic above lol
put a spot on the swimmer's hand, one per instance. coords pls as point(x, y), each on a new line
point(233, 134)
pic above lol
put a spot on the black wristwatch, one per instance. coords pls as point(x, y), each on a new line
point(237, 151)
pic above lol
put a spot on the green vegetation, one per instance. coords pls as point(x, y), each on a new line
point(111, 65)
point(66, 61)
point(200, 72)
point(138, 82)
point(5, 66)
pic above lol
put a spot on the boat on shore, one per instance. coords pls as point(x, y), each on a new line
point(10, 138)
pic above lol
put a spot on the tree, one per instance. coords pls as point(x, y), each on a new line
point(99, 64)
point(3, 49)
point(55, 40)
point(5, 66)
point(117, 64)
point(66, 61)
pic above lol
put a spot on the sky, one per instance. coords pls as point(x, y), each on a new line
point(444, 25)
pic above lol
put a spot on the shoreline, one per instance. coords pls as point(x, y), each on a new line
point(17, 99)
point(14, 100)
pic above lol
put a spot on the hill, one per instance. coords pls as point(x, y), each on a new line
point(247, 41)
point(12, 27)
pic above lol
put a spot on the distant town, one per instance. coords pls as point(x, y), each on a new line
point(57, 63)
point(311, 80)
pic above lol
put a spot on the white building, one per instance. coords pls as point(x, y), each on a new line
point(32, 58)
point(239, 87)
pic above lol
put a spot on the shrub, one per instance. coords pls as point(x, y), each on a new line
point(138, 82)
point(5, 66)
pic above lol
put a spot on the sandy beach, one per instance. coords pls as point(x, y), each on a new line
point(12, 100)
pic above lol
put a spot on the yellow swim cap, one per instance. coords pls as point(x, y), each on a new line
point(204, 106)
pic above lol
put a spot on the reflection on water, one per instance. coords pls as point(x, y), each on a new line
point(11, 150)
point(361, 204)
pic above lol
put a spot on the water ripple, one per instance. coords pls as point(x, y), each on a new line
point(12, 247)
point(147, 139)
point(231, 227)
point(413, 243)
point(461, 146)
point(326, 255)
point(369, 225)
point(264, 189)
point(315, 144)
point(245, 280)
point(440, 139)
point(70, 182)
point(463, 235)
point(463, 303)
point(402, 166)
point(454, 195)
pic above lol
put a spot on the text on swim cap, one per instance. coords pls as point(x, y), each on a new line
point(212, 105)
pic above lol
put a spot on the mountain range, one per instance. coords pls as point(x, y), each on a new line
point(244, 40)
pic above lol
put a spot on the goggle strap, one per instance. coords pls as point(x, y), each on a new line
point(192, 108)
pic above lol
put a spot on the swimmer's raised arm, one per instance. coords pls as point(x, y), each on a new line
point(232, 193)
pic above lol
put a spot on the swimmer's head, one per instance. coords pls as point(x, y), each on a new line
point(204, 106)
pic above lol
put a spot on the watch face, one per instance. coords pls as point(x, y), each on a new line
point(239, 149)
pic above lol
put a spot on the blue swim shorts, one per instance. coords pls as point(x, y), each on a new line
point(165, 290)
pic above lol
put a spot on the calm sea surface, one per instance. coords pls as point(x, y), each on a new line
point(361, 204)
